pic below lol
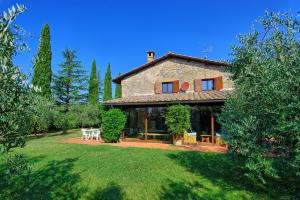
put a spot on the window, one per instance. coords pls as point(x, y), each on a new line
point(167, 87)
point(207, 84)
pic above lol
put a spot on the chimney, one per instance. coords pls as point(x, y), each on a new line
point(150, 56)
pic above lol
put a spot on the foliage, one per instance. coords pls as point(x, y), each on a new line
point(107, 85)
point(178, 119)
point(70, 83)
point(43, 113)
point(118, 90)
point(42, 67)
point(66, 120)
point(87, 115)
point(15, 176)
point(93, 97)
point(113, 122)
point(14, 90)
point(262, 117)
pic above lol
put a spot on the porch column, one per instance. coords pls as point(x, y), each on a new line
point(146, 127)
point(212, 127)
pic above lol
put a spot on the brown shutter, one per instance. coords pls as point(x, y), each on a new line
point(176, 86)
point(218, 83)
point(157, 87)
point(197, 85)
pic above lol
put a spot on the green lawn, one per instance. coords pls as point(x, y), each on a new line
point(72, 171)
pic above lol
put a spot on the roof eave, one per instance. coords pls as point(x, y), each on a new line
point(164, 102)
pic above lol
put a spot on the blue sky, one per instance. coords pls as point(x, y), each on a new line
point(120, 32)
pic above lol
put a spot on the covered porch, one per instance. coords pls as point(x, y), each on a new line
point(145, 114)
point(147, 123)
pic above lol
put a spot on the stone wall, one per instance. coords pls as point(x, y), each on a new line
point(142, 83)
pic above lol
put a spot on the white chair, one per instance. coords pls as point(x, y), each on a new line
point(85, 134)
point(96, 134)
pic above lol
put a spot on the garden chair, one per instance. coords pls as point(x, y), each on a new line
point(85, 134)
point(96, 134)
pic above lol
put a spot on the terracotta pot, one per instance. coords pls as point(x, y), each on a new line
point(177, 140)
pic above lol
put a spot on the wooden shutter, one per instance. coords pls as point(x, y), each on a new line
point(218, 83)
point(157, 87)
point(197, 85)
point(176, 86)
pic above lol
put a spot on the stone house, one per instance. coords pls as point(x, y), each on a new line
point(171, 79)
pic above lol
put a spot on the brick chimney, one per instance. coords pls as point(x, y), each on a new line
point(150, 56)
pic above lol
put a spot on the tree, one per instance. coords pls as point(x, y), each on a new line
point(118, 90)
point(93, 97)
point(14, 90)
point(42, 67)
point(107, 85)
point(87, 115)
point(70, 83)
point(43, 113)
point(178, 119)
point(262, 117)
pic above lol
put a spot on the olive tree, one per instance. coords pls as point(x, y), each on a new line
point(261, 120)
point(14, 90)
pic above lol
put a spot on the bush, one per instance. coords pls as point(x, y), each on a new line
point(178, 119)
point(113, 122)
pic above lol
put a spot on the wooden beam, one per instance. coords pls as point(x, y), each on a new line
point(146, 127)
point(212, 127)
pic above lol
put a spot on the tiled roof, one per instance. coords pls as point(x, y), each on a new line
point(167, 56)
point(195, 97)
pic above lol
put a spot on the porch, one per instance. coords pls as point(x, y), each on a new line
point(146, 123)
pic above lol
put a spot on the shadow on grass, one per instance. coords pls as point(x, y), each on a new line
point(55, 180)
point(52, 133)
point(225, 173)
point(112, 191)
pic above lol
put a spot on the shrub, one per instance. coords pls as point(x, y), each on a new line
point(113, 122)
point(178, 119)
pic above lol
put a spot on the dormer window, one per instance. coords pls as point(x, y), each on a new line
point(207, 84)
point(167, 87)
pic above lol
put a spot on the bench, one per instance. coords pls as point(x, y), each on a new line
point(154, 134)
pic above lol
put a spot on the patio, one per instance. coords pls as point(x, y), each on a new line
point(200, 146)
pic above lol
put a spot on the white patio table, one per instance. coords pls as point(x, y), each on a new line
point(91, 133)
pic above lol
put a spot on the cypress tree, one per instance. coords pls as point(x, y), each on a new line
point(70, 83)
point(107, 85)
point(42, 66)
point(118, 90)
point(93, 96)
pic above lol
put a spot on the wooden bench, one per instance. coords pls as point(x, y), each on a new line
point(154, 134)
point(205, 138)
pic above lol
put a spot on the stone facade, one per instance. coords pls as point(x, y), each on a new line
point(142, 83)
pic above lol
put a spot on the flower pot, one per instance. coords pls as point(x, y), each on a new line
point(177, 140)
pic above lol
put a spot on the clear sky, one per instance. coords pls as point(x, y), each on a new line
point(121, 31)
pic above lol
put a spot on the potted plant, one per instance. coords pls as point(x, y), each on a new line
point(178, 121)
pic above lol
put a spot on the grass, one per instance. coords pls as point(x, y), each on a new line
point(77, 171)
